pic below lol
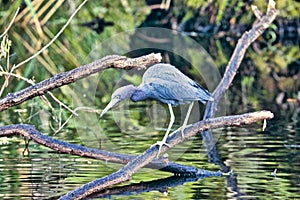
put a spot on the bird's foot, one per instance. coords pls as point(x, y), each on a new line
point(181, 129)
point(161, 144)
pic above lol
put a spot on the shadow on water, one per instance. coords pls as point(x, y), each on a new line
point(160, 185)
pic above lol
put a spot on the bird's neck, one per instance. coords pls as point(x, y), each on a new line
point(139, 95)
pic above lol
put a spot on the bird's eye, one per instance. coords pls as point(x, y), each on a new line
point(117, 97)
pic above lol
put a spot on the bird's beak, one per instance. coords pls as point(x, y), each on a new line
point(111, 104)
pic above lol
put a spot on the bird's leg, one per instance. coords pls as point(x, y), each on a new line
point(172, 119)
point(186, 119)
point(163, 142)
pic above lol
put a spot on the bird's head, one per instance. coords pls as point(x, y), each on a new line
point(119, 95)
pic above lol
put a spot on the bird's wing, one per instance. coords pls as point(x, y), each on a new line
point(169, 83)
point(170, 92)
point(162, 90)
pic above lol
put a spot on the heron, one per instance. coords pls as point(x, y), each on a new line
point(165, 83)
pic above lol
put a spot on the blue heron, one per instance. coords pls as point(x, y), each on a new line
point(165, 83)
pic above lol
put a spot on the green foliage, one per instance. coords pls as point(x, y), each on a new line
point(196, 3)
point(248, 81)
point(221, 10)
point(38, 22)
point(5, 48)
point(288, 8)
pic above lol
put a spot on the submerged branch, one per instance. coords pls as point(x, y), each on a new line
point(159, 185)
point(259, 26)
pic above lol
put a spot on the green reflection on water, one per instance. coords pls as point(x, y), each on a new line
point(252, 155)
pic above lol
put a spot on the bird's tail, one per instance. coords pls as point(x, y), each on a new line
point(205, 95)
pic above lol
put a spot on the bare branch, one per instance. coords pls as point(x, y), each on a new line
point(71, 76)
point(31, 133)
point(64, 147)
point(11, 23)
point(244, 42)
point(53, 39)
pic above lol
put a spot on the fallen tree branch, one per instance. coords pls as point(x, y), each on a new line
point(31, 133)
point(125, 173)
point(64, 78)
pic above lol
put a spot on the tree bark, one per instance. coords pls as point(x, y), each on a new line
point(64, 78)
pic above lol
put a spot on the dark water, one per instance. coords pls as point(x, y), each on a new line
point(252, 155)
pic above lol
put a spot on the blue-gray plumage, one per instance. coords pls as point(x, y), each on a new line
point(165, 83)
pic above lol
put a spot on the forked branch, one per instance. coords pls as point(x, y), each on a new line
point(125, 173)
point(263, 22)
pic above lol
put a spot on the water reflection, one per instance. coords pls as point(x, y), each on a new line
point(252, 155)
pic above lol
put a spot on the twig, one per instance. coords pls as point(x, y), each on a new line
point(53, 39)
point(11, 23)
point(17, 76)
point(40, 51)
point(31, 82)
point(62, 104)
point(71, 76)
